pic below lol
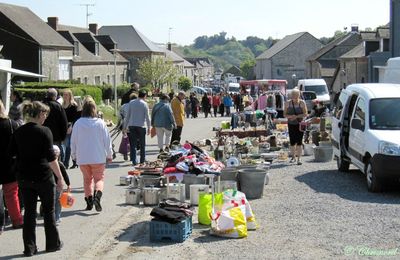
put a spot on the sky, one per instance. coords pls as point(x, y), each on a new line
point(181, 21)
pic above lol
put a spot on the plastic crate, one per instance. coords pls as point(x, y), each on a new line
point(164, 231)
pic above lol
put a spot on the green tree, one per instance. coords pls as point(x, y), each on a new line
point(184, 83)
point(247, 68)
point(158, 72)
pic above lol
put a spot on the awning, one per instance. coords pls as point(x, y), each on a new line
point(21, 72)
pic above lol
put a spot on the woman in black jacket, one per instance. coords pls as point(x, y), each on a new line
point(32, 144)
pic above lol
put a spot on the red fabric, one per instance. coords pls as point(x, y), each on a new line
point(11, 197)
point(216, 101)
point(170, 170)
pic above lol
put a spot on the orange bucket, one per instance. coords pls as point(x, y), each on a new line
point(67, 200)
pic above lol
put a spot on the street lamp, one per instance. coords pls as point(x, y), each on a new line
point(114, 51)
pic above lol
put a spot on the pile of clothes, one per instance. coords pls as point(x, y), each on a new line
point(172, 211)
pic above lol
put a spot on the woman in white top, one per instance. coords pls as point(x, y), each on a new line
point(91, 148)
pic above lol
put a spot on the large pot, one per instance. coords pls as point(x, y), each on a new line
point(151, 196)
point(125, 180)
point(174, 190)
point(133, 196)
point(252, 182)
point(229, 174)
point(195, 190)
point(189, 179)
point(149, 181)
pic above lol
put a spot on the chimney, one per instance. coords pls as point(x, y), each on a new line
point(93, 28)
point(53, 22)
point(354, 28)
point(169, 46)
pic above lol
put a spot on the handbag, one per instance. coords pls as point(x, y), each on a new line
point(124, 147)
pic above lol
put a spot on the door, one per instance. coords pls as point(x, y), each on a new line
point(337, 121)
point(356, 135)
point(63, 69)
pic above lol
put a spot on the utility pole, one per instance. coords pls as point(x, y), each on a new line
point(87, 13)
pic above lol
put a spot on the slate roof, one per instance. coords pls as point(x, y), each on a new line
point(356, 52)
point(32, 25)
point(280, 45)
point(129, 39)
point(71, 33)
point(383, 32)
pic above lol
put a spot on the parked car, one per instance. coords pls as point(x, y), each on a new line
point(366, 132)
point(218, 89)
point(318, 86)
point(198, 90)
point(209, 90)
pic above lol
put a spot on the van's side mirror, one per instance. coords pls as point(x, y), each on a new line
point(357, 124)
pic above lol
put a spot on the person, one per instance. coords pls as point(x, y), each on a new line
point(195, 105)
point(163, 120)
point(238, 102)
point(56, 120)
point(205, 103)
point(136, 116)
point(15, 110)
point(7, 173)
point(188, 107)
point(91, 148)
point(126, 97)
point(227, 104)
point(57, 206)
point(71, 111)
point(216, 102)
point(32, 144)
point(179, 116)
point(295, 110)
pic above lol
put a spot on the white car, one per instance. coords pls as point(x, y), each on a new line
point(366, 132)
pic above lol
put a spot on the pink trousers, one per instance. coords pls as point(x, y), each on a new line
point(11, 197)
point(92, 174)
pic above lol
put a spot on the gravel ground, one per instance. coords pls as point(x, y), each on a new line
point(307, 212)
point(310, 211)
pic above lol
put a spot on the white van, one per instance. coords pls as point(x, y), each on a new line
point(366, 132)
point(318, 86)
point(233, 88)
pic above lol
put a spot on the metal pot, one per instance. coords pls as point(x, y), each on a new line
point(151, 196)
point(149, 181)
point(125, 180)
point(135, 183)
point(133, 196)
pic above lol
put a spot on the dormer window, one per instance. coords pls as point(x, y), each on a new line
point(76, 48)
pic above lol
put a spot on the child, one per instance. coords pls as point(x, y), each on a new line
point(57, 206)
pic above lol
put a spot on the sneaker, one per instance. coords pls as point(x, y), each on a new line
point(292, 160)
point(299, 162)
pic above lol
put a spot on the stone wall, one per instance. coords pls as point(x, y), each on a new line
point(99, 73)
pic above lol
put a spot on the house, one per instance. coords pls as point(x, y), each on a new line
point(93, 56)
point(286, 58)
point(323, 63)
point(31, 44)
point(352, 66)
point(204, 70)
point(132, 45)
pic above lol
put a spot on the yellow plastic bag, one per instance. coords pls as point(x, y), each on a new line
point(205, 206)
point(233, 198)
point(230, 223)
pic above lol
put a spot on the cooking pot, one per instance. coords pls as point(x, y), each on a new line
point(151, 196)
point(133, 196)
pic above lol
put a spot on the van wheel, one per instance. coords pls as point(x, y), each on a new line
point(342, 165)
point(374, 184)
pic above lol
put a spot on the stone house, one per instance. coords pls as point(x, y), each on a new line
point(286, 58)
point(93, 56)
point(30, 43)
point(323, 63)
point(203, 70)
point(132, 45)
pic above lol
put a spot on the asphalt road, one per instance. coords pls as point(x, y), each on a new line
point(307, 212)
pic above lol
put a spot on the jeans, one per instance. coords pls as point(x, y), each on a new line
point(161, 132)
point(67, 155)
point(137, 134)
point(215, 110)
point(176, 134)
point(46, 191)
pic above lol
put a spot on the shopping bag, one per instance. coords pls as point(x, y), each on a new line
point(230, 223)
point(124, 147)
point(205, 206)
point(233, 198)
point(152, 132)
point(67, 200)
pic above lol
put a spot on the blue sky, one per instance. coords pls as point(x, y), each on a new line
point(190, 19)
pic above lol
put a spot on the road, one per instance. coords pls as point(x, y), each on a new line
point(307, 212)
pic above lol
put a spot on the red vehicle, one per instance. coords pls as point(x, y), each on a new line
point(255, 87)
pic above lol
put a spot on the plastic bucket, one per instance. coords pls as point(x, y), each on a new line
point(308, 150)
point(189, 179)
point(323, 153)
point(229, 174)
point(252, 182)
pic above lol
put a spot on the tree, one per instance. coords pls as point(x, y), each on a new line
point(247, 68)
point(158, 72)
point(184, 83)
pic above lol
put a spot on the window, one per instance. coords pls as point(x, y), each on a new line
point(96, 48)
point(97, 80)
point(108, 79)
point(121, 78)
point(78, 80)
point(63, 69)
point(76, 48)
point(359, 112)
point(382, 116)
point(85, 80)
